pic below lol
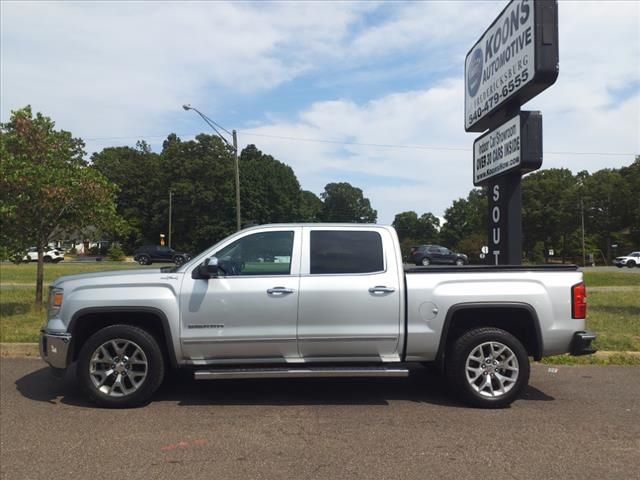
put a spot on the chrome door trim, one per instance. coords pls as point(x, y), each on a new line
point(347, 339)
point(237, 340)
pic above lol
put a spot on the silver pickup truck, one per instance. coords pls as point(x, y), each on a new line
point(312, 300)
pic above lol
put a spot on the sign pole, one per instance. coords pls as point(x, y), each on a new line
point(505, 220)
point(514, 60)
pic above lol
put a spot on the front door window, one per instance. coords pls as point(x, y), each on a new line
point(267, 253)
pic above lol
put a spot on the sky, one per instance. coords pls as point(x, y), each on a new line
point(371, 93)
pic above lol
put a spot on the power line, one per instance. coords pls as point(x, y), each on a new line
point(358, 144)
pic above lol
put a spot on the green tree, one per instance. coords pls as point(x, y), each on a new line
point(200, 173)
point(142, 184)
point(606, 203)
point(46, 187)
point(631, 176)
point(406, 225)
point(464, 218)
point(270, 189)
point(345, 203)
point(472, 246)
point(423, 230)
point(550, 212)
point(310, 209)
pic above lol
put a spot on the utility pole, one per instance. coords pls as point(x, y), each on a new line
point(237, 165)
point(170, 196)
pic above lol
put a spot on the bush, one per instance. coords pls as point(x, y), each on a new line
point(115, 254)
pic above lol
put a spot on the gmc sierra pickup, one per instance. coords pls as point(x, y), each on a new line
point(312, 300)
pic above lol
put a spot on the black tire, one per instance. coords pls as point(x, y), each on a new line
point(142, 385)
point(144, 260)
point(460, 262)
point(631, 264)
point(179, 260)
point(425, 262)
point(468, 383)
point(47, 259)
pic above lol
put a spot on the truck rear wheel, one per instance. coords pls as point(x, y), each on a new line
point(487, 367)
point(120, 366)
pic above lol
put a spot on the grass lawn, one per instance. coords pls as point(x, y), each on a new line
point(612, 279)
point(25, 273)
point(615, 316)
point(613, 313)
point(20, 320)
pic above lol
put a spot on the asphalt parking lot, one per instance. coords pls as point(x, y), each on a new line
point(573, 422)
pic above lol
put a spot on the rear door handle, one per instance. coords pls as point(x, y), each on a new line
point(279, 291)
point(381, 289)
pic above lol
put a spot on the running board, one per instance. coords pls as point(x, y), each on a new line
point(308, 372)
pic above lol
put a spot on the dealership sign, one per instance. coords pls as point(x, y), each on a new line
point(514, 145)
point(514, 60)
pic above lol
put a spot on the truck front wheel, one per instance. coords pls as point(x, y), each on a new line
point(487, 367)
point(120, 366)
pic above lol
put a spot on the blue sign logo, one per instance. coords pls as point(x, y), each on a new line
point(474, 72)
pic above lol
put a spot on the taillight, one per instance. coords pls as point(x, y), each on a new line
point(579, 301)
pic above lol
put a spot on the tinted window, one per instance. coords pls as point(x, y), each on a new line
point(266, 253)
point(346, 252)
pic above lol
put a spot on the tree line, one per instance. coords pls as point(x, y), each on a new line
point(559, 209)
point(199, 174)
point(49, 191)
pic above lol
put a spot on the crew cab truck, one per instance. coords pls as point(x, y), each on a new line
point(316, 300)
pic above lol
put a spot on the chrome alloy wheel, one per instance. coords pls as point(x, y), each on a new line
point(492, 369)
point(118, 367)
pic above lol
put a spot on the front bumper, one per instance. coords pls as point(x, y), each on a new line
point(581, 343)
point(54, 348)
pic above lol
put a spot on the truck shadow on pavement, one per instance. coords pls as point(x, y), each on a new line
point(422, 386)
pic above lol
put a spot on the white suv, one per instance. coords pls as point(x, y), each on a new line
point(50, 255)
point(631, 260)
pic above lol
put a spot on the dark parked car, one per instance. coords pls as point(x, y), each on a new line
point(157, 253)
point(436, 255)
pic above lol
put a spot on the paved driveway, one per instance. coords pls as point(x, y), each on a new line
point(574, 422)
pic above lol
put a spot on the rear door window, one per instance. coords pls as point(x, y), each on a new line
point(342, 251)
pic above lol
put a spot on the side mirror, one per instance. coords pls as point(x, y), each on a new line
point(207, 269)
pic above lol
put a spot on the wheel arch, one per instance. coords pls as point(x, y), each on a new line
point(518, 318)
point(87, 321)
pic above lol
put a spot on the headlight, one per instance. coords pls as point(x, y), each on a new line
point(56, 296)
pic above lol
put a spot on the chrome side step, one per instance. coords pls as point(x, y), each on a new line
point(227, 373)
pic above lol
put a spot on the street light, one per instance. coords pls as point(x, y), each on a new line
point(213, 125)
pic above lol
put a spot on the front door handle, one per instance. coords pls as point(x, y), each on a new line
point(381, 289)
point(279, 291)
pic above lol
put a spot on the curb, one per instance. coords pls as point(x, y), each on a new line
point(19, 350)
point(32, 350)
